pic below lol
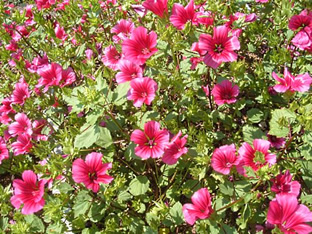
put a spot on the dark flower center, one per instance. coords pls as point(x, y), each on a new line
point(259, 158)
point(151, 143)
point(92, 176)
point(144, 95)
point(218, 48)
point(146, 51)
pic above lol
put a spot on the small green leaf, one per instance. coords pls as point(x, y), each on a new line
point(120, 93)
point(88, 137)
point(139, 185)
point(176, 213)
point(36, 224)
point(255, 115)
point(280, 121)
point(105, 139)
point(250, 133)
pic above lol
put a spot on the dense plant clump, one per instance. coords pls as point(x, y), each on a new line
point(155, 116)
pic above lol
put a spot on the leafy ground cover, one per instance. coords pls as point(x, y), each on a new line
point(155, 116)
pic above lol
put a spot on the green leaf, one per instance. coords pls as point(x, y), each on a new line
point(226, 188)
point(250, 133)
point(124, 196)
point(139, 185)
point(36, 224)
point(105, 139)
point(280, 121)
point(64, 187)
point(55, 228)
point(120, 93)
point(255, 115)
point(176, 213)
point(88, 137)
point(82, 203)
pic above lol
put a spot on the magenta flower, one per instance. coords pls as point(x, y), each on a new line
point(29, 192)
point(158, 7)
point(299, 21)
point(225, 92)
point(4, 153)
point(255, 157)
point(111, 57)
point(142, 91)
point(283, 184)
point(224, 158)
point(200, 208)
point(300, 83)
point(303, 39)
point(6, 107)
point(290, 217)
point(123, 28)
point(151, 142)
point(140, 46)
point(44, 4)
point(37, 63)
point(23, 144)
point(68, 77)
point(180, 15)
point(22, 125)
point(51, 75)
point(276, 142)
point(20, 93)
point(220, 48)
point(175, 149)
point(128, 71)
point(60, 32)
point(38, 126)
point(92, 171)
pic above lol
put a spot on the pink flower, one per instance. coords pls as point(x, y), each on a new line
point(255, 157)
point(225, 92)
point(111, 57)
point(200, 208)
point(44, 4)
point(12, 46)
point(175, 149)
point(22, 125)
point(220, 48)
point(283, 184)
point(142, 91)
point(206, 90)
point(290, 217)
point(60, 32)
point(37, 63)
point(140, 46)
point(205, 18)
point(92, 171)
point(123, 28)
point(6, 107)
point(68, 77)
point(158, 7)
point(128, 71)
point(303, 39)
point(89, 54)
point(4, 153)
point(224, 158)
point(151, 142)
point(51, 75)
point(300, 83)
point(180, 15)
point(20, 93)
point(23, 144)
point(29, 192)
point(298, 21)
point(276, 142)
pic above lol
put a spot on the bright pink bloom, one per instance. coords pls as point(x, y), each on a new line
point(4, 153)
point(143, 90)
point(5, 119)
point(68, 77)
point(180, 15)
point(298, 21)
point(92, 171)
point(37, 63)
point(158, 7)
point(89, 54)
point(20, 93)
point(300, 83)
point(303, 39)
point(195, 47)
point(111, 57)
point(224, 158)
point(128, 71)
point(151, 142)
point(12, 46)
point(60, 32)
point(255, 157)
point(175, 149)
point(283, 184)
point(23, 144)
point(276, 142)
point(205, 18)
point(140, 10)
point(44, 3)
point(200, 208)
point(220, 48)
point(290, 217)
point(22, 125)
point(29, 192)
point(38, 126)
point(6, 107)
point(225, 92)
point(206, 90)
point(51, 75)
point(140, 46)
